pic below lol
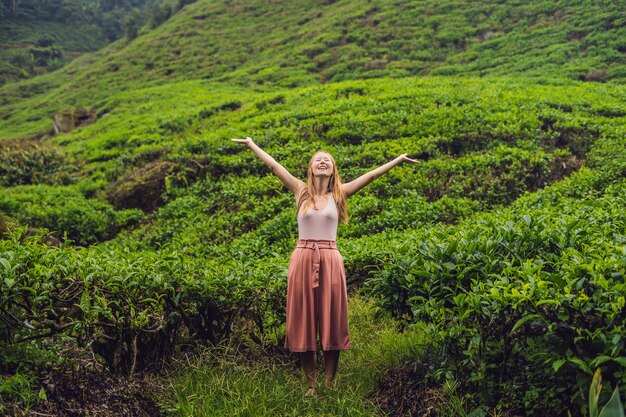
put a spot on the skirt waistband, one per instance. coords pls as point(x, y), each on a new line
point(316, 244)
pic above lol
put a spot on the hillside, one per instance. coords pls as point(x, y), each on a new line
point(287, 44)
point(492, 273)
point(38, 37)
point(196, 232)
point(32, 47)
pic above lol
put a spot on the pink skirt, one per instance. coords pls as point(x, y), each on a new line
point(317, 299)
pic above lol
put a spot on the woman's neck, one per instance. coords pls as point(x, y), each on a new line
point(320, 185)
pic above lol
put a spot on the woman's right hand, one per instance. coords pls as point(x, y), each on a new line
point(247, 140)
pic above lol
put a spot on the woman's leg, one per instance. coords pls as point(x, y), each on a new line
point(308, 364)
point(333, 312)
point(331, 361)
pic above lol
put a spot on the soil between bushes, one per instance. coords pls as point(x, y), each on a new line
point(98, 393)
point(401, 393)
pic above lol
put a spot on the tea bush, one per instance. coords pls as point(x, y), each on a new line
point(537, 286)
point(66, 212)
point(132, 308)
point(33, 163)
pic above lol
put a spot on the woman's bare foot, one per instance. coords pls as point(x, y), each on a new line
point(310, 392)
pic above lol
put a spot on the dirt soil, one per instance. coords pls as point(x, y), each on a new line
point(98, 393)
point(401, 393)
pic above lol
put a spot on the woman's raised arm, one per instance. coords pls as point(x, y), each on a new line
point(352, 187)
point(292, 183)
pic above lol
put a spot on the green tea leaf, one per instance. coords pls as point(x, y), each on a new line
point(556, 365)
point(582, 365)
point(523, 320)
point(614, 407)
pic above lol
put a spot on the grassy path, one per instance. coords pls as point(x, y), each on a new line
point(225, 387)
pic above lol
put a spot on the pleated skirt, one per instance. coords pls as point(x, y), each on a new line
point(317, 301)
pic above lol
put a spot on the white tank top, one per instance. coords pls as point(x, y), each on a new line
point(319, 224)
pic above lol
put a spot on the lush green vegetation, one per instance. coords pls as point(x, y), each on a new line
point(148, 231)
point(207, 264)
point(31, 47)
point(297, 43)
point(222, 384)
point(41, 36)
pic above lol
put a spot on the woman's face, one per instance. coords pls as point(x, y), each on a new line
point(322, 165)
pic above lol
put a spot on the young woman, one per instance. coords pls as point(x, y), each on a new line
point(316, 283)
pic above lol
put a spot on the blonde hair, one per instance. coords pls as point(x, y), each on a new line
point(307, 197)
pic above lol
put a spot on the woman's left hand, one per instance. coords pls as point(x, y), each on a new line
point(404, 158)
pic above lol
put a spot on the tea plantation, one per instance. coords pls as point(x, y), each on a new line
point(495, 268)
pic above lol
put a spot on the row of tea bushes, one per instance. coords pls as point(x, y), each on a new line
point(525, 302)
point(133, 308)
point(67, 212)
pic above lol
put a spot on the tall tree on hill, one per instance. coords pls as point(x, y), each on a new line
point(132, 24)
point(9, 8)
